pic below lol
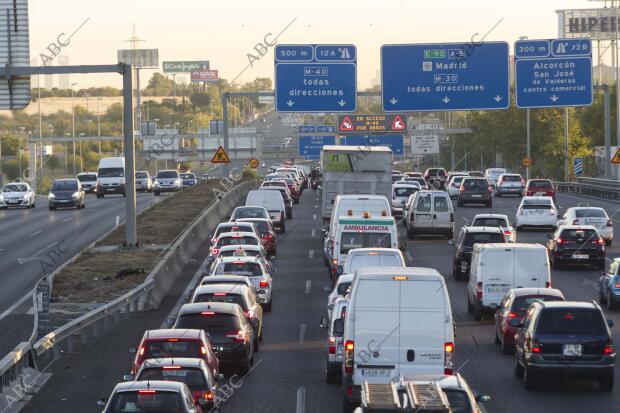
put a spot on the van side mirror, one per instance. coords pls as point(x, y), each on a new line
point(128, 377)
point(211, 234)
point(451, 242)
point(101, 402)
point(338, 327)
point(483, 398)
point(402, 246)
point(323, 323)
point(132, 350)
point(610, 323)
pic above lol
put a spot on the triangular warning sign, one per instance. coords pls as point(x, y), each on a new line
point(397, 123)
point(616, 157)
point(346, 124)
point(220, 156)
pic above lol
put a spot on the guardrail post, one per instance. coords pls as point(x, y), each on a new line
point(69, 344)
point(106, 322)
point(95, 329)
point(84, 337)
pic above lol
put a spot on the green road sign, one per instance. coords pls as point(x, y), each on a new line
point(185, 66)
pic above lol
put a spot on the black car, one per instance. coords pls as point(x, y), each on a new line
point(228, 329)
point(464, 246)
point(66, 193)
point(576, 244)
point(474, 191)
point(567, 339)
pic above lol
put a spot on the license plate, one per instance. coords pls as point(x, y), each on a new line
point(218, 348)
point(12, 202)
point(423, 216)
point(340, 348)
point(581, 256)
point(497, 290)
point(476, 196)
point(572, 349)
point(109, 189)
point(375, 372)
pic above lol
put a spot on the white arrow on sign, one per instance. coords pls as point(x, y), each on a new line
point(554, 98)
point(446, 100)
point(393, 101)
point(497, 98)
point(342, 102)
point(290, 103)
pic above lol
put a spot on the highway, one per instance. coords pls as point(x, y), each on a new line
point(289, 376)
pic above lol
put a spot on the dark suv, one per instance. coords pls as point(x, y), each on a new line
point(564, 338)
point(66, 193)
point(436, 178)
point(464, 246)
point(576, 244)
point(475, 191)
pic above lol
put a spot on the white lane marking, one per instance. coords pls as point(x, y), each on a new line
point(316, 206)
point(310, 254)
point(117, 220)
point(465, 219)
point(1, 249)
point(67, 219)
point(302, 332)
point(409, 257)
point(93, 209)
point(313, 233)
point(314, 217)
point(308, 286)
point(35, 233)
point(301, 400)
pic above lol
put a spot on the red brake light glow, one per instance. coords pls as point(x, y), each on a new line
point(203, 350)
point(173, 340)
point(609, 349)
point(449, 347)
point(142, 350)
point(171, 367)
point(512, 315)
point(208, 313)
point(263, 283)
point(146, 392)
point(219, 294)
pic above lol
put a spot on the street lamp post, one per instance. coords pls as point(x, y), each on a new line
point(73, 126)
point(99, 127)
point(528, 143)
point(21, 138)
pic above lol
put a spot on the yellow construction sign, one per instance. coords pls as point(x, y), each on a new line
point(253, 163)
point(616, 158)
point(220, 156)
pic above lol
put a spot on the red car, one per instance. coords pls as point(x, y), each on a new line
point(267, 233)
point(176, 343)
point(539, 187)
point(513, 307)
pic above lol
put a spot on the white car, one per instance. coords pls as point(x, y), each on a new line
point(509, 184)
point(496, 220)
point(343, 283)
point(252, 267)
point(597, 217)
point(401, 191)
point(536, 211)
point(454, 184)
point(17, 194)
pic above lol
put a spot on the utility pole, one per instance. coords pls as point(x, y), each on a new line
point(73, 126)
point(528, 144)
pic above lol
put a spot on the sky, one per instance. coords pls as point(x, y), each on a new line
point(224, 32)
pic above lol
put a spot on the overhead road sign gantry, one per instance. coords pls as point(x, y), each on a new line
point(14, 52)
point(316, 78)
point(372, 123)
point(394, 142)
point(444, 76)
point(553, 73)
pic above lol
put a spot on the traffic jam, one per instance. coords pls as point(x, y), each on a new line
point(389, 326)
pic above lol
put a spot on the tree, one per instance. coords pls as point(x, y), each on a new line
point(201, 99)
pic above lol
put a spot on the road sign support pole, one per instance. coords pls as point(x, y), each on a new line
point(130, 159)
point(607, 120)
point(566, 144)
point(528, 143)
point(225, 131)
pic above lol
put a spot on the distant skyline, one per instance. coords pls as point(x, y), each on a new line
point(226, 32)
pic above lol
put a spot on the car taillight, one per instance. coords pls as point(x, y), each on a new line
point(213, 240)
point(617, 284)
point(263, 283)
point(560, 241)
point(237, 336)
point(535, 347)
point(349, 347)
point(332, 345)
point(147, 391)
point(479, 290)
point(512, 315)
point(547, 284)
point(609, 223)
point(203, 350)
point(599, 241)
point(507, 233)
point(490, 188)
point(249, 314)
point(576, 221)
point(449, 352)
point(609, 349)
point(215, 251)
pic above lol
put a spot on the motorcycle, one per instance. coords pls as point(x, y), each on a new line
point(315, 184)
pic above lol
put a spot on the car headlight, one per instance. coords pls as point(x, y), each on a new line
point(122, 181)
point(51, 196)
point(75, 195)
point(156, 183)
point(1, 197)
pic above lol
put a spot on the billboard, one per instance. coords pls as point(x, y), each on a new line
point(597, 24)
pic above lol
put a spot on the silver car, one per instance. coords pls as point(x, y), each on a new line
point(167, 181)
point(17, 194)
point(143, 181)
point(335, 340)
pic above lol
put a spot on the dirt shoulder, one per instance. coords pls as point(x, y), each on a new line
point(102, 274)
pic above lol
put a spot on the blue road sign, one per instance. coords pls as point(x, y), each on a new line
point(312, 157)
point(444, 76)
point(553, 73)
point(317, 129)
point(578, 166)
point(316, 78)
point(394, 142)
point(312, 145)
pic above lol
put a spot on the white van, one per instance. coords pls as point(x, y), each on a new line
point(498, 268)
point(360, 232)
point(111, 176)
point(492, 175)
point(430, 212)
point(399, 324)
point(272, 201)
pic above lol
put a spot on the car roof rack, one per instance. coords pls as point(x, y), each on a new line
point(427, 398)
point(380, 398)
point(414, 398)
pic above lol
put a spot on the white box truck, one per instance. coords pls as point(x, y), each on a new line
point(355, 170)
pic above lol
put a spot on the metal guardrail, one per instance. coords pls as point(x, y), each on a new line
point(594, 187)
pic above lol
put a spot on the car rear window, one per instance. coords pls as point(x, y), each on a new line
point(238, 240)
point(176, 348)
point(404, 192)
point(64, 185)
point(533, 204)
point(475, 184)
point(441, 204)
point(249, 213)
point(218, 322)
point(231, 253)
point(590, 213)
point(579, 235)
point(343, 287)
point(222, 297)
point(248, 269)
point(540, 184)
point(522, 303)
point(376, 260)
point(134, 401)
point(458, 400)
point(233, 228)
point(573, 321)
point(262, 226)
point(490, 222)
point(483, 238)
point(511, 178)
point(87, 178)
point(193, 377)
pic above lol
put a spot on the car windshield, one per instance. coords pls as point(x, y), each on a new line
point(540, 184)
point(572, 321)
point(193, 377)
point(210, 321)
point(148, 401)
point(65, 186)
point(352, 240)
point(475, 184)
point(237, 240)
point(490, 222)
point(374, 260)
point(458, 400)
point(188, 176)
point(248, 269)
point(261, 226)
point(15, 188)
point(233, 253)
point(87, 178)
point(404, 192)
point(590, 213)
point(457, 179)
point(343, 287)
point(482, 238)
point(233, 228)
point(522, 303)
point(141, 175)
point(511, 178)
point(579, 235)
point(222, 297)
point(111, 172)
point(249, 213)
point(172, 348)
point(167, 174)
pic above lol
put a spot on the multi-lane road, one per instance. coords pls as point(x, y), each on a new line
point(289, 375)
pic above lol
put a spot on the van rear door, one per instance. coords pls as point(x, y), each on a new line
point(423, 321)
point(376, 335)
point(531, 268)
point(498, 275)
point(441, 211)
